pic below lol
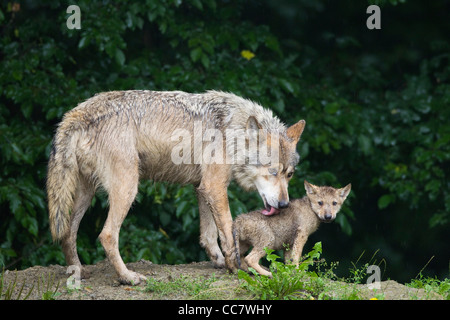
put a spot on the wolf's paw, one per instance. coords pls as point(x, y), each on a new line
point(231, 263)
point(219, 262)
point(132, 278)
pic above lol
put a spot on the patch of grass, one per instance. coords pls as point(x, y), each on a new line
point(313, 279)
point(431, 285)
point(7, 289)
point(45, 287)
point(358, 274)
point(188, 287)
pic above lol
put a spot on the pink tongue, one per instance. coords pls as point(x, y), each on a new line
point(269, 213)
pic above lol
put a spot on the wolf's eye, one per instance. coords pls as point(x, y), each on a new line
point(334, 203)
point(290, 174)
point(320, 203)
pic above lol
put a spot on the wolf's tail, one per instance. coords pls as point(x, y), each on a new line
point(62, 178)
point(236, 244)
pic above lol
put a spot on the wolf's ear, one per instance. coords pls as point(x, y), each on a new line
point(310, 188)
point(253, 124)
point(343, 192)
point(295, 131)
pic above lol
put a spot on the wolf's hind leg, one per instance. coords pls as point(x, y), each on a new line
point(82, 200)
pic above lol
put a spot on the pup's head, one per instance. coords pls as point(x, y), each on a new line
point(271, 171)
point(326, 201)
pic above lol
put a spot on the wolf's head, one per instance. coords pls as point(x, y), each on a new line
point(270, 163)
point(326, 201)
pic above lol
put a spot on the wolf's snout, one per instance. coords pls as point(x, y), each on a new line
point(283, 204)
point(328, 216)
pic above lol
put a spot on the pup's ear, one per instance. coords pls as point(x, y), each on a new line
point(295, 131)
point(310, 188)
point(343, 192)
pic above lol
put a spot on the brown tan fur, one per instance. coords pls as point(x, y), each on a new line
point(290, 229)
point(116, 138)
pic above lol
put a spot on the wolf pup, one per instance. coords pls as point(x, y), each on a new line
point(114, 139)
point(291, 227)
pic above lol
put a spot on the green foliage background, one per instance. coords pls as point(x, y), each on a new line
point(376, 103)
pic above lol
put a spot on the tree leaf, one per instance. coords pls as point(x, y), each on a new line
point(286, 85)
point(385, 200)
point(196, 54)
point(119, 56)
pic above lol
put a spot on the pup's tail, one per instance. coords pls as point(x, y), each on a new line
point(236, 244)
point(62, 178)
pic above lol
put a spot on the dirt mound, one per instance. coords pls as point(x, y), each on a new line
point(189, 281)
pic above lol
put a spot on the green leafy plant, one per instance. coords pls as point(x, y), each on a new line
point(429, 284)
point(287, 281)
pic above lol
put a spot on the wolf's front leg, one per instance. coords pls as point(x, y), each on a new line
point(208, 233)
point(122, 189)
point(213, 190)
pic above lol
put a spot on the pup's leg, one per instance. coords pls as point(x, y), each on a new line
point(244, 246)
point(82, 201)
point(253, 258)
point(208, 233)
point(287, 255)
point(297, 247)
point(122, 189)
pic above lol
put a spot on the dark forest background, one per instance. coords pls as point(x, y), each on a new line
point(376, 104)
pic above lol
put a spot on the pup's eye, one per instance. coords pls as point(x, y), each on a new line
point(320, 203)
point(334, 203)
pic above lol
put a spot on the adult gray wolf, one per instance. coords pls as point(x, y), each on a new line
point(288, 230)
point(114, 139)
